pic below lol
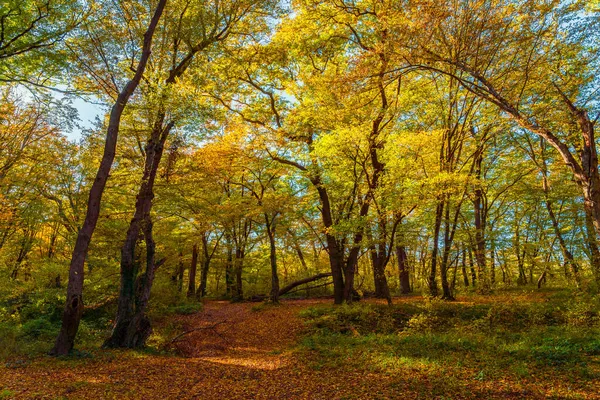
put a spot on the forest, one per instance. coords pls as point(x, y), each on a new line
point(303, 199)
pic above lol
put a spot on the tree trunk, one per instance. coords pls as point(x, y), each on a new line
point(480, 239)
point(335, 250)
point(567, 255)
point(180, 270)
point(403, 270)
point(192, 276)
point(590, 183)
point(522, 280)
point(270, 224)
point(125, 321)
point(382, 290)
point(238, 289)
point(297, 283)
point(350, 270)
point(379, 261)
point(472, 266)
point(592, 245)
point(445, 264)
point(464, 268)
point(139, 329)
point(300, 255)
point(205, 266)
point(26, 244)
point(492, 263)
point(74, 303)
point(433, 288)
point(229, 289)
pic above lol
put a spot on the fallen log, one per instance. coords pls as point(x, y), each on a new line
point(310, 279)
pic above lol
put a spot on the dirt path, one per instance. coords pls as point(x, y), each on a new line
point(252, 334)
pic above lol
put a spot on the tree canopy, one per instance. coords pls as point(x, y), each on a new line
point(257, 149)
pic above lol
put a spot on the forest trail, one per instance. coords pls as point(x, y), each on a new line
point(237, 351)
point(250, 335)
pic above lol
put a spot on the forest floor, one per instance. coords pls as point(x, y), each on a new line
point(250, 351)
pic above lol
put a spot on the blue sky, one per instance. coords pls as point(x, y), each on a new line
point(88, 111)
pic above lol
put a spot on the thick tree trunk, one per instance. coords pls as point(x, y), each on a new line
point(335, 250)
point(124, 321)
point(378, 261)
point(590, 183)
point(191, 292)
point(205, 266)
point(74, 303)
point(350, 270)
point(139, 328)
point(592, 244)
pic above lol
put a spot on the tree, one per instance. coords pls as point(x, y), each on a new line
point(74, 303)
point(536, 71)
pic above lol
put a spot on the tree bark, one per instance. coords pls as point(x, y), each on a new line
point(229, 267)
point(403, 270)
point(206, 257)
point(297, 283)
point(126, 319)
point(74, 303)
point(479, 214)
point(433, 288)
point(464, 268)
point(472, 266)
point(192, 276)
point(379, 261)
point(270, 225)
point(567, 255)
point(180, 270)
point(592, 244)
point(449, 230)
point(238, 267)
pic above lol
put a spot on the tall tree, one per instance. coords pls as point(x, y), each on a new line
point(74, 303)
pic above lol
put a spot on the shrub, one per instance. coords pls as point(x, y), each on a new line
point(186, 308)
point(583, 311)
point(39, 328)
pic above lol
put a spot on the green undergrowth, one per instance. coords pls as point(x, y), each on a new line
point(456, 341)
point(30, 320)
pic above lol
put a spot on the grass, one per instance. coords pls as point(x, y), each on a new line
point(553, 343)
point(6, 394)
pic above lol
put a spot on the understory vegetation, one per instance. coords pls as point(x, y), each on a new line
point(512, 344)
point(504, 338)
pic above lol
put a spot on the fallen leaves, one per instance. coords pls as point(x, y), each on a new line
point(250, 356)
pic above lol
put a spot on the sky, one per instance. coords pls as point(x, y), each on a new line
point(88, 111)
